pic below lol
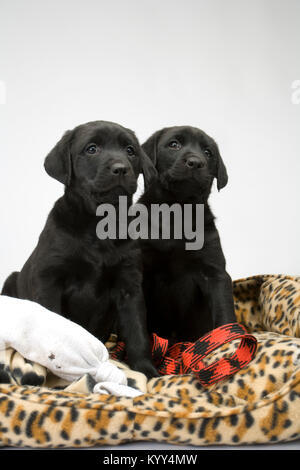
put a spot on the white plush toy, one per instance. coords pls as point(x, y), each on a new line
point(65, 348)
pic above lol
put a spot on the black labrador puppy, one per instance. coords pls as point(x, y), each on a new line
point(95, 283)
point(187, 292)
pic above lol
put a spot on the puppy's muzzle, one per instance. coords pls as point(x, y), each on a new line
point(195, 162)
point(119, 169)
point(118, 176)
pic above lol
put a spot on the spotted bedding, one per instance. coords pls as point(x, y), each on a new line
point(259, 404)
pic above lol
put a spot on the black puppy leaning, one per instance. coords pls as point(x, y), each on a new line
point(96, 283)
point(187, 293)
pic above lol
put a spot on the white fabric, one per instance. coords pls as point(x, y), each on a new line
point(65, 348)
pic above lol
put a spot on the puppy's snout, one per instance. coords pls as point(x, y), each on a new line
point(119, 169)
point(194, 162)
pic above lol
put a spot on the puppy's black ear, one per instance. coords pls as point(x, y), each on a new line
point(150, 146)
point(222, 176)
point(147, 168)
point(58, 163)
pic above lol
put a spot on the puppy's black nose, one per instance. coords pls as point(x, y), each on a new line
point(119, 169)
point(194, 163)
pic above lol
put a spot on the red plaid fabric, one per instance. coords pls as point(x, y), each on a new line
point(186, 358)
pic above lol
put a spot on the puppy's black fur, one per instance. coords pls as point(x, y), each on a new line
point(95, 283)
point(187, 293)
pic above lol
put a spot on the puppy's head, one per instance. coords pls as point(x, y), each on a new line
point(187, 157)
point(100, 160)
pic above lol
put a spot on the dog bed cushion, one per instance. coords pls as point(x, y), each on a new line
point(259, 404)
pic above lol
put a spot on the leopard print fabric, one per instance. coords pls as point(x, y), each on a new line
point(259, 404)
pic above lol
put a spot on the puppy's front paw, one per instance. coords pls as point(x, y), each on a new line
point(146, 368)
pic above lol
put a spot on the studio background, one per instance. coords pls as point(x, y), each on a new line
point(227, 67)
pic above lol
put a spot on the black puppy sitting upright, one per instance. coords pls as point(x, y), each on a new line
point(187, 293)
point(96, 283)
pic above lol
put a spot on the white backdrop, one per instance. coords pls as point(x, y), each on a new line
point(224, 66)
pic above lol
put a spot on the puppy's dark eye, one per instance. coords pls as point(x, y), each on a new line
point(92, 149)
point(174, 145)
point(130, 150)
point(207, 152)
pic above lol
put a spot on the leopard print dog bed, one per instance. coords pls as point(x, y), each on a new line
point(259, 404)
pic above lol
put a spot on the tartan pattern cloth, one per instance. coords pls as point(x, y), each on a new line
point(187, 357)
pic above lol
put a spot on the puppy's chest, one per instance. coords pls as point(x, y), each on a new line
point(82, 270)
point(174, 276)
point(171, 264)
point(91, 267)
